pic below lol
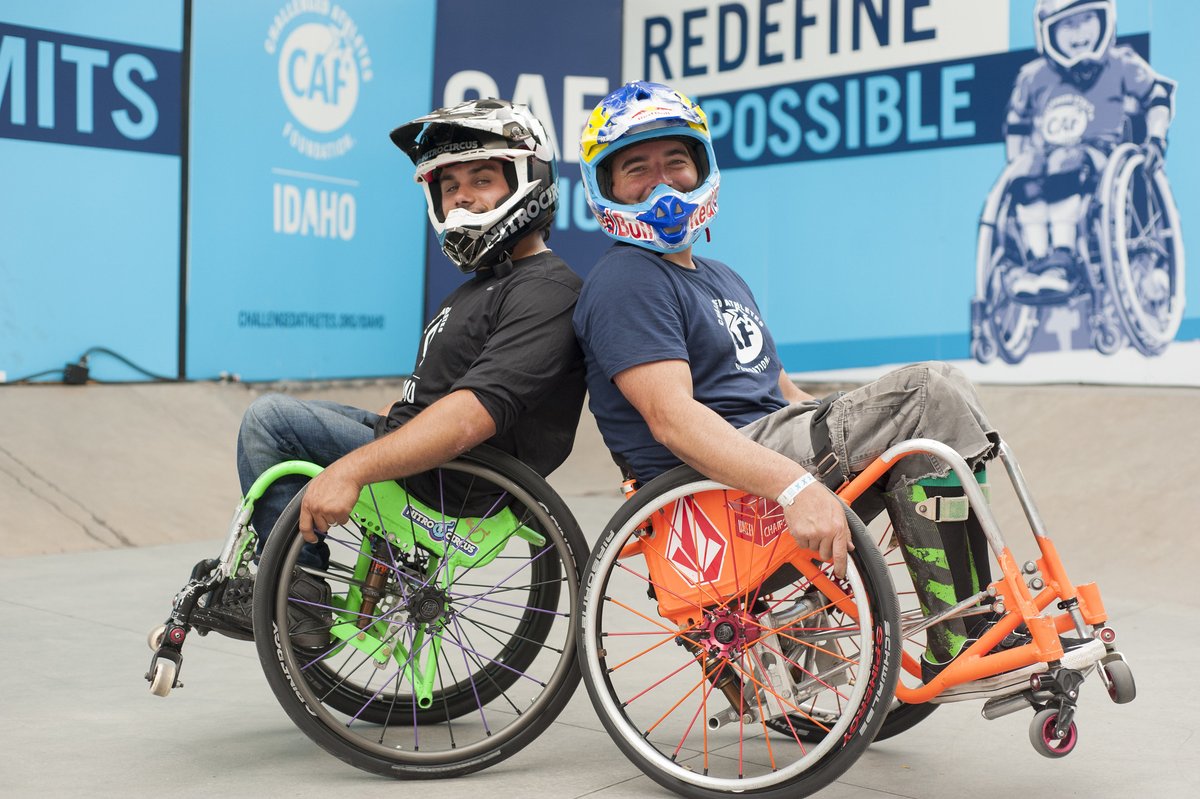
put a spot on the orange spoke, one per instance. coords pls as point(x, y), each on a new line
point(762, 716)
point(782, 701)
point(682, 699)
point(649, 688)
point(703, 708)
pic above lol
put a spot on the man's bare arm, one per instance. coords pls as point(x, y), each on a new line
point(792, 392)
point(447, 428)
point(662, 392)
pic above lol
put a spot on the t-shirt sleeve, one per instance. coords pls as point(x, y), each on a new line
point(1137, 78)
point(629, 315)
point(1141, 82)
point(1019, 120)
point(531, 349)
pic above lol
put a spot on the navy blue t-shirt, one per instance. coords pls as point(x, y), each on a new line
point(636, 308)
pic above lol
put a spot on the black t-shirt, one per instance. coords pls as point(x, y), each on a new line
point(509, 340)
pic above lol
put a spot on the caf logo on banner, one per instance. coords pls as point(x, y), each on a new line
point(322, 63)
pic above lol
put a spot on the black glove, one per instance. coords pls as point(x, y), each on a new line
point(1155, 151)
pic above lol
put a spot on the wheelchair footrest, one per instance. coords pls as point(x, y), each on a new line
point(1080, 658)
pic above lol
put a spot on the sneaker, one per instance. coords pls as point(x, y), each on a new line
point(1045, 280)
point(309, 614)
point(228, 610)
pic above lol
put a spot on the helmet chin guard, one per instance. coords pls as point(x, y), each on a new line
point(669, 220)
point(484, 130)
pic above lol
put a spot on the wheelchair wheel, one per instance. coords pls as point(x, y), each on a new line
point(1005, 327)
point(1142, 251)
point(454, 670)
point(901, 716)
point(691, 698)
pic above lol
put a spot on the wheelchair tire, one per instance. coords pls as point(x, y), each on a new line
point(660, 712)
point(1006, 327)
point(901, 716)
point(1142, 251)
point(506, 666)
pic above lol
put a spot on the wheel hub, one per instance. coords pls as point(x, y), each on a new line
point(727, 632)
point(427, 604)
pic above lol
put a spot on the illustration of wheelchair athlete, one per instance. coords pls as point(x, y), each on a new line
point(1082, 218)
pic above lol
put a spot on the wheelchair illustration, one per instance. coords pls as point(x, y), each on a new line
point(724, 659)
point(448, 632)
point(1131, 265)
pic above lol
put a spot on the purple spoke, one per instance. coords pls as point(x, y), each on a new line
point(485, 597)
point(509, 577)
point(396, 675)
point(486, 627)
point(471, 677)
point(504, 666)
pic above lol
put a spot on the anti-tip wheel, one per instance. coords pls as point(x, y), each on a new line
point(155, 638)
point(1044, 738)
point(164, 677)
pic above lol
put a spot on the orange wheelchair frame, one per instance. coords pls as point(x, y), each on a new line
point(708, 555)
point(999, 676)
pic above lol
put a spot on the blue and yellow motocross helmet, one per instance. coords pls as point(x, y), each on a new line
point(669, 220)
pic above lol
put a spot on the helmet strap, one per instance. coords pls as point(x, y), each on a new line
point(503, 267)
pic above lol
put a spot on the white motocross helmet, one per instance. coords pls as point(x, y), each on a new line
point(668, 220)
point(1049, 13)
point(479, 130)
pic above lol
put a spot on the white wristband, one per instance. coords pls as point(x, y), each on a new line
point(789, 494)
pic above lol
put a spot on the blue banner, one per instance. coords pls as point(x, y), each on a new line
point(306, 238)
point(560, 59)
point(67, 89)
point(921, 107)
point(90, 109)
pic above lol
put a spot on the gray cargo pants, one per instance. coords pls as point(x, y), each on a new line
point(926, 400)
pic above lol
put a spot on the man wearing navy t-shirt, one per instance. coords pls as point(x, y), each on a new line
point(681, 367)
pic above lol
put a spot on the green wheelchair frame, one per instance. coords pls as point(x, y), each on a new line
point(437, 549)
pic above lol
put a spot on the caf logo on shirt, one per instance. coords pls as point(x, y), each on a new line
point(744, 327)
point(1065, 119)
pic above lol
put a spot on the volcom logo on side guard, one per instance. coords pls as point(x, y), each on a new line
point(695, 547)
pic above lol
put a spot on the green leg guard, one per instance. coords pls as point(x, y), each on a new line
point(947, 559)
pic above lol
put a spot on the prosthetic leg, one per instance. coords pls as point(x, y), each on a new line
point(947, 557)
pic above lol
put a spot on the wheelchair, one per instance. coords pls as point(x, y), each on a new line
point(722, 658)
point(1131, 256)
point(447, 627)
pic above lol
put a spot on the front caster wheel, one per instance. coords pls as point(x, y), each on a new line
point(1044, 735)
point(1120, 684)
point(164, 677)
point(155, 638)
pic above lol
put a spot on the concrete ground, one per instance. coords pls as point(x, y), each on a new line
point(108, 494)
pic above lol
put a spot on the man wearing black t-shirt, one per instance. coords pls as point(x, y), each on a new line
point(497, 364)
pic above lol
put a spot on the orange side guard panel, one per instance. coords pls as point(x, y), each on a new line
point(707, 548)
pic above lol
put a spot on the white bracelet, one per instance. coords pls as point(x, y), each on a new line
point(789, 494)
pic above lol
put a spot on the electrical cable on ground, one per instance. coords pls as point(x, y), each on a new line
point(77, 372)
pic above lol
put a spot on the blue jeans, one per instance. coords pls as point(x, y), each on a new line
point(278, 428)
